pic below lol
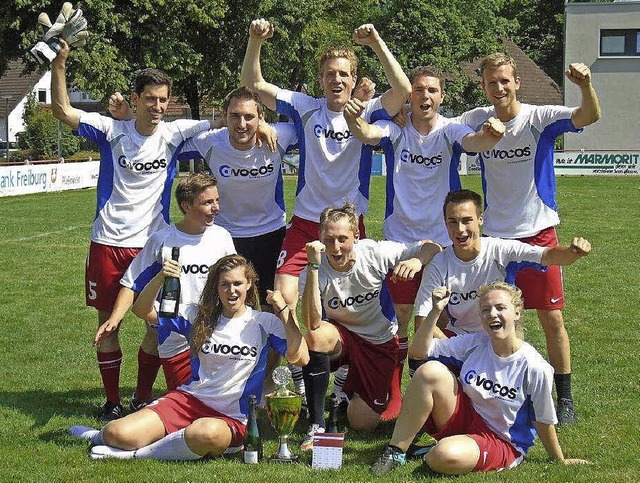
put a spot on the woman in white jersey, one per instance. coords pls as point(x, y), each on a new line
point(487, 418)
point(229, 344)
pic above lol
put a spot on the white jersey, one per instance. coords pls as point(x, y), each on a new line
point(231, 363)
point(497, 261)
point(197, 254)
point(136, 174)
point(334, 166)
point(249, 182)
point(421, 170)
point(517, 173)
point(359, 299)
point(509, 393)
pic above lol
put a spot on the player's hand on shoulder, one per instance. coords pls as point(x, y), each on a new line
point(406, 270)
point(579, 74)
point(353, 109)
point(440, 297)
point(366, 34)
point(119, 108)
point(314, 250)
point(261, 29)
point(401, 118)
point(495, 127)
point(267, 135)
point(580, 246)
point(364, 90)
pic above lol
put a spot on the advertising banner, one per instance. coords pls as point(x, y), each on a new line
point(40, 178)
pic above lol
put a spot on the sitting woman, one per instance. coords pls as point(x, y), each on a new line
point(229, 344)
point(488, 418)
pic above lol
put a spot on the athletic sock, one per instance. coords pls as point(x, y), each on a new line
point(339, 378)
point(172, 447)
point(298, 380)
point(109, 364)
point(83, 432)
point(107, 452)
point(316, 380)
point(563, 385)
point(395, 390)
point(148, 367)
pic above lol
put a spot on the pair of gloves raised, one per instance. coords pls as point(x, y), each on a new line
point(70, 25)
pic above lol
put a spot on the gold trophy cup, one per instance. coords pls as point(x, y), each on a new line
point(283, 409)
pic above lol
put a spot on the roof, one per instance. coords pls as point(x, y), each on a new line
point(536, 87)
point(16, 85)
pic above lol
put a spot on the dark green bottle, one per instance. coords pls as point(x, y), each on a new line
point(332, 425)
point(252, 440)
point(170, 300)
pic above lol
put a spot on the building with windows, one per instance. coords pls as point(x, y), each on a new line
point(606, 37)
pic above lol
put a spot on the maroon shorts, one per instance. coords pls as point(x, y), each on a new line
point(293, 256)
point(177, 369)
point(404, 292)
point(178, 409)
point(542, 290)
point(495, 453)
point(371, 367)
point(105, 267)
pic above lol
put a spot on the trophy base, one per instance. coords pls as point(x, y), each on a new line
point(282, 459)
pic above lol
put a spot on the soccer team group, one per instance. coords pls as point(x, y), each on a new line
point(476, 386)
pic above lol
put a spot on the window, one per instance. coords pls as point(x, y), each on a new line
point(620, 43)
point(42, 95)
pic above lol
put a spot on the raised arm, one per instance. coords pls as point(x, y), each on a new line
point(297, 350)
point(358, 126)
point(311, 303)
point(589, 110)
point(251, 75)
point(407, 269)
point(393, 99)
point(60, 104)
point(566, 255)
point(487, 136)
point(419, 348)
point(143, 306)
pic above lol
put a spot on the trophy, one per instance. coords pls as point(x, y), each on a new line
point(283, 409)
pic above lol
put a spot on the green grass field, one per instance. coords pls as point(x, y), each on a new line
point(49, 379)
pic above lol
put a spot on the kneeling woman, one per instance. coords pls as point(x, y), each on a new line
point(229, 343)
point(488, 418)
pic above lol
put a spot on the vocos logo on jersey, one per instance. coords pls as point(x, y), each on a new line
point(140, 166)
point(473, 378)
point(322, 132)
point(426, 161)
point(227, 171)
point(226, 349)
point(508, 153)
point(195, 269)
point(357, 300)
point(457, 298)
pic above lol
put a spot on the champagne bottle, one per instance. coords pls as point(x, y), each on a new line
point(332, 426)
point(252, 440)
point(170, 300)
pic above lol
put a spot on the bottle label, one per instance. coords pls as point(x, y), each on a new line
point(251, 457)
point(168, 306)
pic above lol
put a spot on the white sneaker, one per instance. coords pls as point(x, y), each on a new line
point(307, 442)
point(84, 432)
point(105, 452)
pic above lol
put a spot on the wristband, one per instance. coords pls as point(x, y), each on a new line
point(313, 266)
point(282, 309)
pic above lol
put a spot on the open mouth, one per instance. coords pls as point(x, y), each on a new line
point(495, 325)
point(463, 239)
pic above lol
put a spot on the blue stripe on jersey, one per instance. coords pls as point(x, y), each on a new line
point(145, 277)
point(522, 432)
point(514, 267)
point(454, 175)
point(178, 324)
point(448, 361)
point(390, 160)
point(386, 304)
point(484, 180)
point(279, 194)
point(288, 110)
point(366, 156)
point(172, 170)
point(105, 174)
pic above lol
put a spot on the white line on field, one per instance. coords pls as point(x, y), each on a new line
point(47, 233)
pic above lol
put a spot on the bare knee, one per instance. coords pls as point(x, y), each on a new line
point(452, 458)
point(361, 417)
point(431, 373)
point(208, 435)
point(119, 435)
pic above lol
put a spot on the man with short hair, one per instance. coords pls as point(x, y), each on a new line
point(519, 189)
point(138, 161)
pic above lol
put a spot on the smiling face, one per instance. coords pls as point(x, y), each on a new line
point(151, 105)
point(426, 97)
point(337, 82)
point(464, 222)
point(500, 84)
point(232, 291)
point(202, 212)
point(339, 237)
point(498, 314)
point(243, 119)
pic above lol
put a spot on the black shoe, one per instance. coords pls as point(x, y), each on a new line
point(138, 404)
point(110, 411)
point(565, 411)
point(417, 452)
point(389, 460)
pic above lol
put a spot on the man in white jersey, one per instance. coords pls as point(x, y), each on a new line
point(201, 244)
point(519, 190)
point(333, 165)
point(422, 167)
point(473, 260)
point(137, 166)
point(249, 181)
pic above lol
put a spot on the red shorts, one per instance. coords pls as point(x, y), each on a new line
point(495, 453)
point(105, 267)
point(542, 290)
point(177, 369)
point(293, 256)
point(179, 409)
point(371, 367)
point(404, 292)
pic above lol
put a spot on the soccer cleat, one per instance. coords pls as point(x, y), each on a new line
point(417, 452)
point(566, 412)
point(231, 450)
point(389, 460)
point(110, 411)
point(307, 442)
point(138, 404)
point(102, 452)
point(84, 432)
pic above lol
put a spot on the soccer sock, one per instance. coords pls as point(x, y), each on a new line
point(148, 366)
point(172, 447)
point(105, 452)
point(413, 366)
point(316, 380)
point(339, 378)
point(563, 385)
point(177, 370)
point(395, 390)
point(83, 432)
point(298, 380)
point(109, 364)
